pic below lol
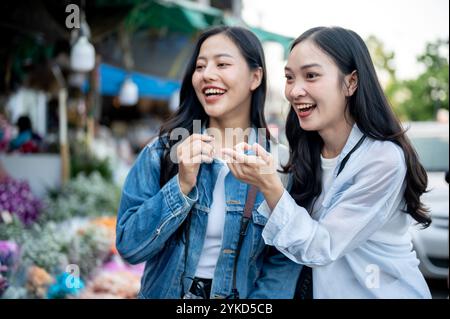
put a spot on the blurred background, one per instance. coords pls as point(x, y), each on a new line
point(85, 85)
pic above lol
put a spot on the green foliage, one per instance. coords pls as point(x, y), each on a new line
point(415, 99)
point(43, 246)
point(83, 196)
point(429, 92)
point(89, 249)
point(52, 246)
point(83, 161)
point(382, 59)
point(11, 230)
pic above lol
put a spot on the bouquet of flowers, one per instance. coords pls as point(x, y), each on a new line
point(83, 196)
point(108, 223)
point(38, 281)
point(45, 247)
point(116, 280)
point(9, 254)
point(11, 228)
point(17, 199)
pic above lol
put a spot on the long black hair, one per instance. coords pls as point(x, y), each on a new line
point(190, 108)
point(370, 109)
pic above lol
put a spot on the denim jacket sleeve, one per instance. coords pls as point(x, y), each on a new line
point(148, 214)
point(278, 277)
point(279, 274)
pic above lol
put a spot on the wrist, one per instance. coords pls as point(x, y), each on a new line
point(271, 185)
point(185, 188)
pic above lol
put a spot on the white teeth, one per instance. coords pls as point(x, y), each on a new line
point(214, 91)
point(304, 106)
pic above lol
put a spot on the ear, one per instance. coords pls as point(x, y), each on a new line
point(256, 78)
point(351, 83)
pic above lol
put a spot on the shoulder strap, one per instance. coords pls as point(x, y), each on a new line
point(346, 158)
point(249, 203)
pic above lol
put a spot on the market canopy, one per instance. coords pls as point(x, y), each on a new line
point(112, 78)
point(183, 20)
point(185, 17)
point(176, 16)
point(266, 36)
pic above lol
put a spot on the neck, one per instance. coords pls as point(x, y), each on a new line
point(335, 138)
point(220, 126)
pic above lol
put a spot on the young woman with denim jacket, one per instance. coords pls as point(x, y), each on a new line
point(356, 180)
point(181, 209)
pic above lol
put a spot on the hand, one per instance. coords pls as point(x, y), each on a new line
point(193, 151)
point(258, 170)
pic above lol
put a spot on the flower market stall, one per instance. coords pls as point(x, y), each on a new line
point(63, 246)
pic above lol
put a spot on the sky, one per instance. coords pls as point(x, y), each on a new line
point(404, 26)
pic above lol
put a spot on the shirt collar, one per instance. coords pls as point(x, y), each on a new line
point(353, 139)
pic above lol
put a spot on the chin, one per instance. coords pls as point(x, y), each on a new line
point(311, 127)
point(214, 111)
point(308, 126)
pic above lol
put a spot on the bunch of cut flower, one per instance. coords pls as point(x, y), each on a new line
point(115, 280)
point(9, 255)
point(19, 209)
point(83, 196)
point(49, 250)
point(17, 199)
point(73, 229)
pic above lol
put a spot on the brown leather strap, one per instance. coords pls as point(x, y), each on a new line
point(248, 208)
point(250, 201)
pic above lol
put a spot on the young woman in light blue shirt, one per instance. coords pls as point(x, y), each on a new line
point(356, 180)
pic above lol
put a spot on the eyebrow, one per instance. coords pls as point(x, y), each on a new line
point(306, 66)
point(220, 55)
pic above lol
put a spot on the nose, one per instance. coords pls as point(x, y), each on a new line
point(209, 73)
point(295, 90)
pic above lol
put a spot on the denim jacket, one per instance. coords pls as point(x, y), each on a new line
point(149, 216)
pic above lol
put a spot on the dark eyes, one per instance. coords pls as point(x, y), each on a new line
point(288, 77)
point(311, 75)
point(219, 65)
point(308, 76)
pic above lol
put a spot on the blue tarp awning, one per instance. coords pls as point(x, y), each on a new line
point(111, 79)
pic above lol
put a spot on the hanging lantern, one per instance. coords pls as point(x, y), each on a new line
point(174, 101)
point(82, 55)
point(128, 93)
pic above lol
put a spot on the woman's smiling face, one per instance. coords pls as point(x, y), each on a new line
point(222, 79)
point(315, 88)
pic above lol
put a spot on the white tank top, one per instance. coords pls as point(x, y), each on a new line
point(214, 230)
point(328, 165)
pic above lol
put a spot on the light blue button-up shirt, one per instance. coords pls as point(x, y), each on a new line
point(357, 242)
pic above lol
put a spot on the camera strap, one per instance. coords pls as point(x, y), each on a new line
point(305, 281)
point(249, 203)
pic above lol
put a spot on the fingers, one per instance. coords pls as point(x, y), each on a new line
point(195, 145)
point(201, 137)
point(241, 147)
point(202, 158)
point(200, 147)
point(240, 158)
point(256, 148)
point(233, 156)
point(234, 169)
point(260, 151)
